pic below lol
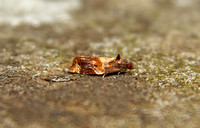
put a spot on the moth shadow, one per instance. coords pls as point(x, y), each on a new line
point(107, 75)
point(102, 75)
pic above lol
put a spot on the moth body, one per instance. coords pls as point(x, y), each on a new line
point(99, 65)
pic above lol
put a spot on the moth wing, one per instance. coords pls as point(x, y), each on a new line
point(74, 68)
point(98, 66)
point(85, 65)
point(97, 71)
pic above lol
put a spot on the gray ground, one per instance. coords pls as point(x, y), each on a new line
point(160, 37)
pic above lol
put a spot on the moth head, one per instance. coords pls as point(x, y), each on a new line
point(123, 62)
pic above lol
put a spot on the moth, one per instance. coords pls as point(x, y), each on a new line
point(99, 65)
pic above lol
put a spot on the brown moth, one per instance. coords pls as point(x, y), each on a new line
point(99, 65)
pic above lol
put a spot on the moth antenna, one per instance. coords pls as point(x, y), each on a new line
point(118, 57)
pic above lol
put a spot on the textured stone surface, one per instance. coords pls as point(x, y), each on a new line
point(160, 37)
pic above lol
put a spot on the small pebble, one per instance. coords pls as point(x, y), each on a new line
point(58, 79)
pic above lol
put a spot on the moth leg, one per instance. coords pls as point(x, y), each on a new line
point(118, 73)
point(103, 75)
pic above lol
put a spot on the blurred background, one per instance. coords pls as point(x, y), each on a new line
point(35, 12)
